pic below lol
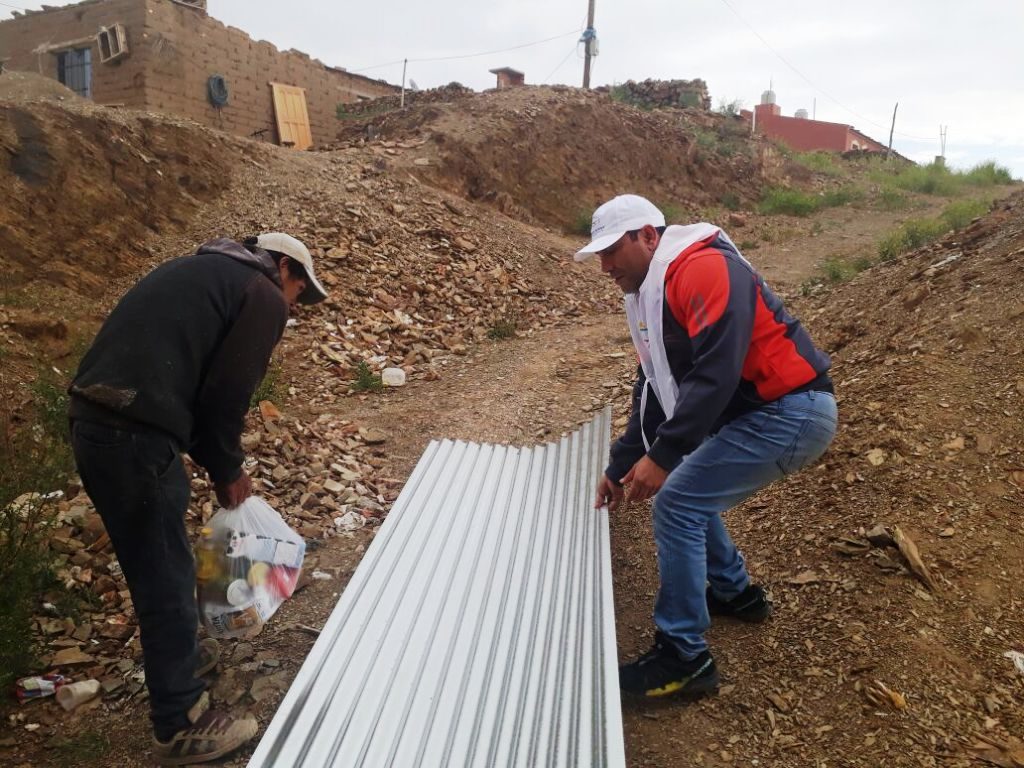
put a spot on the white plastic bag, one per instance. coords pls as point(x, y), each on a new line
point(248, 562)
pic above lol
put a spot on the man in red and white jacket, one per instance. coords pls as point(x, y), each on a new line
point(731, 394)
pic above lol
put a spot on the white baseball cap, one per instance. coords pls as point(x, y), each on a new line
point(622, 214)
point(295, 249)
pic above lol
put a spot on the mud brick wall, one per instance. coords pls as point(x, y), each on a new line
point(173, 51)
point(184, 48)
point(119, 82)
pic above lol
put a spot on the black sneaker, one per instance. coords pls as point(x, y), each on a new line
point(749, 605)
point(661, 672)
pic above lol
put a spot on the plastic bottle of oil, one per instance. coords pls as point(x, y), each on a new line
point(206, 558)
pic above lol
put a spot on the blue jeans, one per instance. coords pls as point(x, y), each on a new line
point(694, 548)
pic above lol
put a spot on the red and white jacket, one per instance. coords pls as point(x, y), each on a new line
point(713, 342)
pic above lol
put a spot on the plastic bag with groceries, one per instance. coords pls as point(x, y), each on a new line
point(248, 562)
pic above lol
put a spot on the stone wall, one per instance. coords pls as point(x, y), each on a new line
point(651, 94)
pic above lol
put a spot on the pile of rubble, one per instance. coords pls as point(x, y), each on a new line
point(552, 154)
point(662, 94)
point(384, 104)
point(415, 277)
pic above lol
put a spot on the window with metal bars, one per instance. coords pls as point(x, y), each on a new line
point(74, 69)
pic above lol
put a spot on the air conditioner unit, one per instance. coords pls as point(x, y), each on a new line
point(112, 42)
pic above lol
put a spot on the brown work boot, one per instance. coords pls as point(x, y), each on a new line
point(212, 734)
point(209, 655)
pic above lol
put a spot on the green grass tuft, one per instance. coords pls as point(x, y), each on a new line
point(581, 223)
point(503, 328)
point(366, 380)
point(820, 162)
point(272, 387)
point(959, 214)
point(788, 201)
point(80, 749)
point(913, 234)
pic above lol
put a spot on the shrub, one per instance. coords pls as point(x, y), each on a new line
point(936, 179)
point(49, 393)
point(892, 200)
point(820, 162)
point(729, 108)
point(581, 223)
point(708, 140)
point(271, 388)
point(836, 270)
point(32, 464)
point(789, 201)
point(673, 213)
point(988, 174)
point(366, 380)
point(961, 213)
point(836, 197)
point(731, 201)
point(913, 234)
point(861, 263)
point(503, 328)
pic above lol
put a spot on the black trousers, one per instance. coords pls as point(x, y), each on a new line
point(138, 483)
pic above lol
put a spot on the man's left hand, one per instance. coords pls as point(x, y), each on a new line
point(644, 480)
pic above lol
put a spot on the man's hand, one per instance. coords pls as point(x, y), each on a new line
point(644, 480)
point(608, 493)
point(230, 495)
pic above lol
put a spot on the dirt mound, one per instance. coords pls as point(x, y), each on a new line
point(927, 357)
point(552, 154)
point(94, 197)
point(83, 185)
point(28, 86)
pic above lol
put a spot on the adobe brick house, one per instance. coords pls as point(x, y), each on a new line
point(806, 135)
point(161, 55)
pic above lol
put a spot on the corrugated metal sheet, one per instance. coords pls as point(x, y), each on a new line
point(478, 629)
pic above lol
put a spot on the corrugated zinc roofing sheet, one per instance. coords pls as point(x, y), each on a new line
point(478, 630)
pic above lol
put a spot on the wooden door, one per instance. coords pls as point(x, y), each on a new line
point(292, 117)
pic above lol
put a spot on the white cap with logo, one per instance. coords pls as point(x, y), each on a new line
point(295, 249)
point(615, 218)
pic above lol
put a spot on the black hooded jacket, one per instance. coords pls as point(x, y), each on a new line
point(184, 350)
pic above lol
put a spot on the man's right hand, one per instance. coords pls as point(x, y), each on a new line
point(608, 493)
point(230, 495)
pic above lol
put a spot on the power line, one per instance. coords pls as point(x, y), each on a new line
point(561, 64)
point(469, 55)
point(575, 49)
point(15, 7)
point(808, 81)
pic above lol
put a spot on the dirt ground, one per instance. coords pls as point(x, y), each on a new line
point(927, 355)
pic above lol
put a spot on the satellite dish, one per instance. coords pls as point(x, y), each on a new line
point(412, 85)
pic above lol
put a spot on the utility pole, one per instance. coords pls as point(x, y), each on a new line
point(405, 63)
point(589, 36)
point(892, 128)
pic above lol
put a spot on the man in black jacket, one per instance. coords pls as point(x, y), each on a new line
point(172, 370)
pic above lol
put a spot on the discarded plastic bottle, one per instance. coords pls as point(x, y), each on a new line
point(206, 557)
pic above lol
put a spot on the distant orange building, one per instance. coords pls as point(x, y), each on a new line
point(805, 135)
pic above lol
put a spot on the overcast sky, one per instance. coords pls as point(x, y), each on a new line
point(947, 62)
